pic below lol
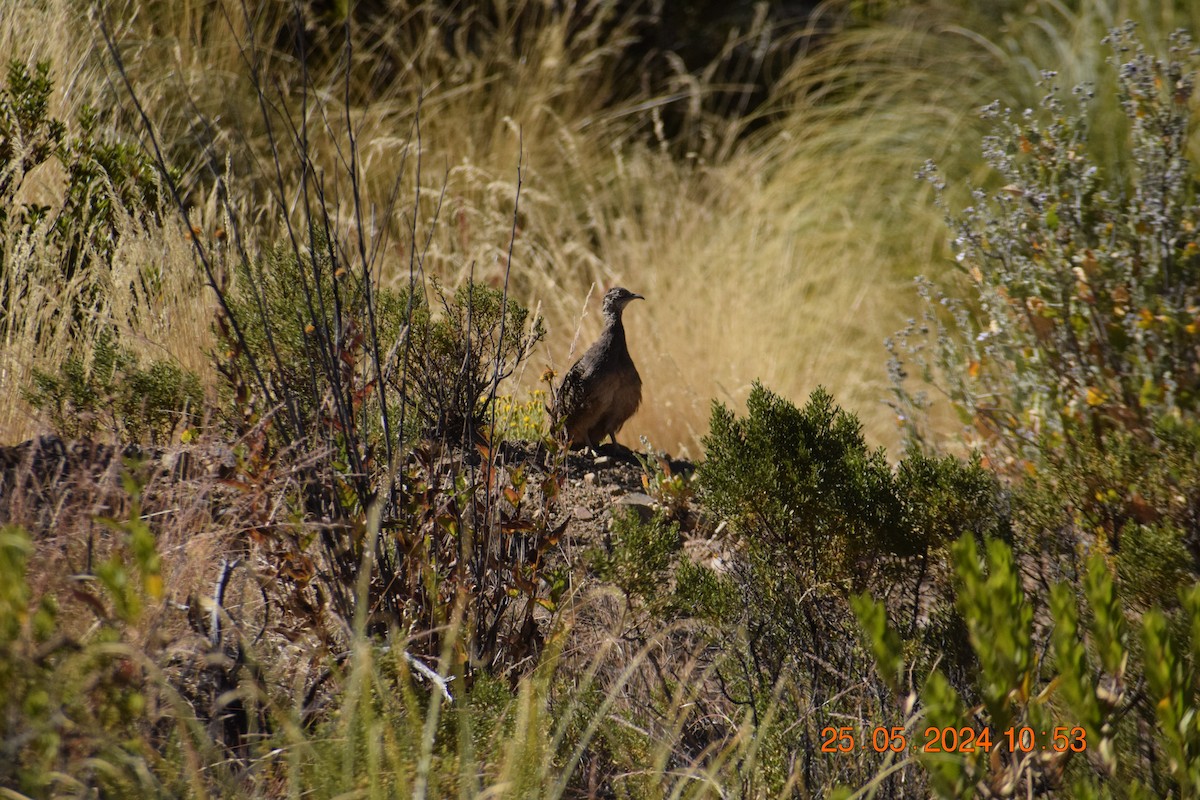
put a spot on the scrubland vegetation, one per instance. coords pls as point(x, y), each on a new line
point(298, 279)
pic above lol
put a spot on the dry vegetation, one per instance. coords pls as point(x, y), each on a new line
point(267, 598)
point(783, 254)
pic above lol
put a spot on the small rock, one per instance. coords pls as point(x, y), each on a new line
point(582, 513)
point(636, 499)
point(589, 478)
point(641, 502)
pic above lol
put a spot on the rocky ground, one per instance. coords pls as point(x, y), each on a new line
point(42, 478)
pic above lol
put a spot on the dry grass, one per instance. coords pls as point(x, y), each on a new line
point(786, 259)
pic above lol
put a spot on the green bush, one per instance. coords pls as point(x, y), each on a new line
point(314, 326)
point(104, 178)
point(819, 513)
point(1083, 314)
point(1134, 494)
point(640, 555)
point(304, 327)
point(814, 515)
point(1115, 743)
point(1074, 359)
point(459, 349)
point(112, 392)
point(78, 713)
point(704, 594)
point(28, 135)
point(802, 481)
point(807, 497)
point(322, 365)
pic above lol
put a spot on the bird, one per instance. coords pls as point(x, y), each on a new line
point(601, 390)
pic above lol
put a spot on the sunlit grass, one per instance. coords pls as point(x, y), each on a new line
point(785, 256)
point(787, 260)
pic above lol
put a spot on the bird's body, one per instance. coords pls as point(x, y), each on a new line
point(602, 389)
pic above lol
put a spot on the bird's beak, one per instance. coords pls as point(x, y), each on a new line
point(637, 297)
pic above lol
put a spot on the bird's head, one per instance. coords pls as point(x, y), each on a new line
point(616, 300)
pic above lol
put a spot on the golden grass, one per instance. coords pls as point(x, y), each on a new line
point(787, 259)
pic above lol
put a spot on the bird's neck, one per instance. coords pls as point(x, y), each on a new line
point(612, 322)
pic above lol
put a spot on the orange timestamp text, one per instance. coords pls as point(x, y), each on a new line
point(896, 739)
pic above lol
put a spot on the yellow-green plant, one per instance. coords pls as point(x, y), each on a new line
point(1069, 721)
point(78, 710)
point(111, 392)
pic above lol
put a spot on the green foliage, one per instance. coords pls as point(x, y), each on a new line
point(882, 639)
point(1077, 687)
point(640, 555)
point(104, 178)
point(802, 481)
point(815, 516)
point(1073, 358)
point(75, 713)
point(1154, 562)
point(815, 508)
point(27, 739)
point(297, 312)
point(705, 594)
point(672, 491)
point(1171, 684)
point(1093, 696)
point(1083, 283)
point(113, 392)
point(951, 775)
point(140, 546)
point(999, 620)
point(1084, 692)
point(1132, 491)
point(28, 135)
point(457, 356)
point(943, 497)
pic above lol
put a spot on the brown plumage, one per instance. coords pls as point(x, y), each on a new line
point(602, 389)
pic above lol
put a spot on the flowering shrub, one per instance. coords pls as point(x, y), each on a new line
point(1084, 310)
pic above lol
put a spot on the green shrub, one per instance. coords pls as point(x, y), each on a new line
point(310, 323)
point(1134, 494)
point(458, 350)
point(802, 481)
point(640, 555)
point(815, 515)
point(112, 392)
point(672, 491)
point(304, 327)
point(322, 363)
point(810, 501)
point(1074, 359)
point(104, 178)
point(818, 512)
point(1083, 314)
point(705, 594)
point(1113, 742)
point(78, 713)
point(29, 137)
